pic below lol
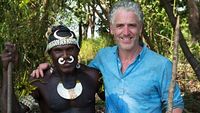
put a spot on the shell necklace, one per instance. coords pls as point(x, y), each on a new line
point(71, 93)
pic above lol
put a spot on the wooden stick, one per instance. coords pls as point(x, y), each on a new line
point(174, 69)
point(9, 90)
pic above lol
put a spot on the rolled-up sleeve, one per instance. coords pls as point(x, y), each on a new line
point(164, 88)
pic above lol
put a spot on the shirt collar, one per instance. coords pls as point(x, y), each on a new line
point(115, 50)
point(141, 54)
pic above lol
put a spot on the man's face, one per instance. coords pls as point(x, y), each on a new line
point(65, 52)
point(126, 29)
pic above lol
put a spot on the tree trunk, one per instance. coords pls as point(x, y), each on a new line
point(93, 19)
point(80, 27)
point(100, 15)
point(147, 39)
point(44, 20)
point(0, 91)
point(189, 56)
point(80, 32)
point(194, 20)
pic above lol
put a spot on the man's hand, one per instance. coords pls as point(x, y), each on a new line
point(9, 54)
point(177, 110)
point(39, 71)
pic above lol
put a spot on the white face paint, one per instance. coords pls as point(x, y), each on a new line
point(70, 60)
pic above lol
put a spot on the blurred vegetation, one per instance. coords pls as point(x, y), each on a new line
point(90, 47)
point(24, 22)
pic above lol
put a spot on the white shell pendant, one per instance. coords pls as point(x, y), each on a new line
point(72, 93)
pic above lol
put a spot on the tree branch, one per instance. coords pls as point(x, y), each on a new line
point(174, 70)
point(189, 56)
point(194, 19)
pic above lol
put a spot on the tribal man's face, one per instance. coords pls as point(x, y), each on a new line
point(65, 57)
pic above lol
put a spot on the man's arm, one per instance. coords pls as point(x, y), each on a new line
point(97, 77)
point(165, 80)
point(101, 92)
point(39, 72)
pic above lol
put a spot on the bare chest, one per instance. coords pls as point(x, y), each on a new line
point(52, 101)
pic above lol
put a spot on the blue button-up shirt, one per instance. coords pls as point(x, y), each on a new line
point(142, 88)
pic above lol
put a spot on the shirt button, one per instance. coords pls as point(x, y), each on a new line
point(121, 92)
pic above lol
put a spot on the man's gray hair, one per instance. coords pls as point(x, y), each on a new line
point(127, 5)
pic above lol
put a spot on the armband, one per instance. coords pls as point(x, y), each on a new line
point(28, 101)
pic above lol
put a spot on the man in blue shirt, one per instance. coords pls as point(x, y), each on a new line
point(136, 79)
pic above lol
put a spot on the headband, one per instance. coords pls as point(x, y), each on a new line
point(61, 37)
